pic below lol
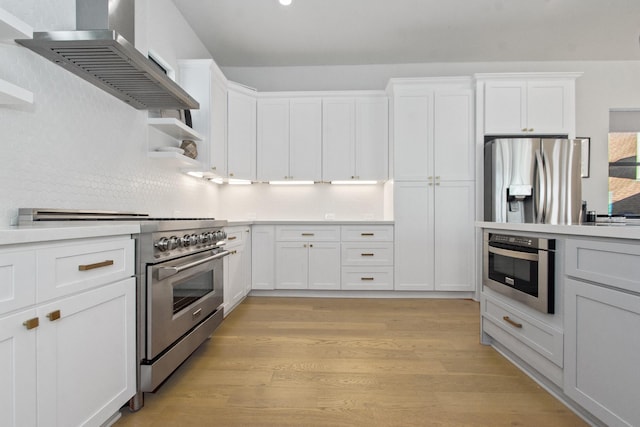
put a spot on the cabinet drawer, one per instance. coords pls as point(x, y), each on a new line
point(65, 269)
point(367, 253)
point(535, 334)
point(367, 278)
point(17, 280)
point(610, 263)
point(308, 233)
point(367, 233)
point(236, 236)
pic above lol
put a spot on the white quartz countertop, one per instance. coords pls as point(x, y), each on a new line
point(612, 230)
point(63, 231)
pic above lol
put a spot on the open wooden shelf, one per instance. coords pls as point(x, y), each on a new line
point(174, 128)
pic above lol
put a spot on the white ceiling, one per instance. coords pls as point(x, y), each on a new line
point(347, 32)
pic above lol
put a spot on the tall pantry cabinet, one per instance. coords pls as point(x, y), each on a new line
point(432, 123)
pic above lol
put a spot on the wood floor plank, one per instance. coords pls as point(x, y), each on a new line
point(341, 362)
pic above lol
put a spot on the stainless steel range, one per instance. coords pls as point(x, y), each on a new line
point(179, 273)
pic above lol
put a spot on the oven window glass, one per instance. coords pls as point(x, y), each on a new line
point(191, 289)
point(524, 273)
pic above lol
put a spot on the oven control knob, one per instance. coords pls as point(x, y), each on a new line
point(210, 237)
point(203, 238)
point(185, 241)
point(193, 239)
point(224, 235)
point(174, 242)
point(219, 235)
point(162, 244)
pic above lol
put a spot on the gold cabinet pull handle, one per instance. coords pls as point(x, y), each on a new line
point(31, 323)
point(308, 234)
point(367, 234)
point(366, 278)
point(511, 322)
point(232, 238)
point(54, 315)
point(366, 254)
point(86, 267)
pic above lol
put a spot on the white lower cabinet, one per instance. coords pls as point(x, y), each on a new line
point(71, 359)
point(263, 257)
point(237, 267)
point(85, 359)
point(307, 265)
point(434, 236)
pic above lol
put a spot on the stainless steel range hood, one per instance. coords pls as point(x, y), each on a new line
point(99, 53)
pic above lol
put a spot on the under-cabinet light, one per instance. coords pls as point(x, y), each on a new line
point(196, 174)
point(217, 180)
point(291, 182)
point(239, 181)
point(354, 182)
point(285, 2)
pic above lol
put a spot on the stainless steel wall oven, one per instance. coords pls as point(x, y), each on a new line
point(521, 268)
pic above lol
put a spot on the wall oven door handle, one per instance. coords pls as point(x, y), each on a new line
point(164, 272)
point(514, 254)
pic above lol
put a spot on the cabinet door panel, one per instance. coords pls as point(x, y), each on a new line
point(306, 139)
point(453, 135)
point(17, 280)
point(548, 106)
point(454, 236)
point(324, 266)
point(372, 138)
point(505, 108)
point(292, 265)
point(412, 137)
point(241, 136)
point(262, 257)
point(413, 207)
point(338, 139)
point(273, 139)
point(218, 143)
point(18, 371)
point(601, 353)
point(86, 358)
point(236, 286)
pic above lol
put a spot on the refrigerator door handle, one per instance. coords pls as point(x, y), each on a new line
point(540, 193)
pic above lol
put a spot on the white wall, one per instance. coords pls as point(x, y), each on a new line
point(604, 85)
point(78, 147)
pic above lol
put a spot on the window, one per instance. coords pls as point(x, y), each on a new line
point(624, 162)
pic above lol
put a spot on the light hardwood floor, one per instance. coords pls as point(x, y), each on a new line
point(349, 362)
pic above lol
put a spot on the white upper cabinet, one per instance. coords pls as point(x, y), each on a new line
point(433, 131)
point(355, 138)
point(305, 139)
point(205, 82)
point(241, 133)
point(289, 139)
point(528, 104)
point(372, 138)
point(273, 139)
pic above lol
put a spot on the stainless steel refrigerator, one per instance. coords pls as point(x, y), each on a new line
point(534, 180)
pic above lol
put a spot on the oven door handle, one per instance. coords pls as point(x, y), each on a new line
point(514, 254)
point(164, 272)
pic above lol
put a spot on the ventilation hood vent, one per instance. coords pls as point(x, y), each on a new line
point(104, 58)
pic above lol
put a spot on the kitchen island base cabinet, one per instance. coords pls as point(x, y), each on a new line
point(603, 348)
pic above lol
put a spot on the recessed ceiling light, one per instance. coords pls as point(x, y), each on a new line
point(285, 2)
